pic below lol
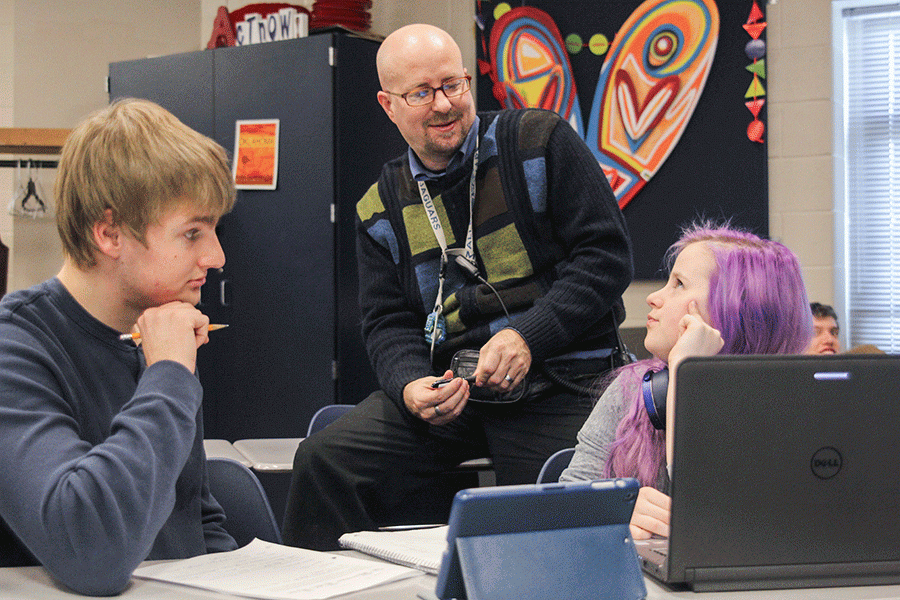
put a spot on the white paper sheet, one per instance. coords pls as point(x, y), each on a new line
point(271, 571)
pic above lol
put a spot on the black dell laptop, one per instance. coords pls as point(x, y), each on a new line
point(785, 474)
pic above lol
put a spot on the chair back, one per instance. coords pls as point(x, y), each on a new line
point(555, 465)
point(248, 513)
point(326, 415)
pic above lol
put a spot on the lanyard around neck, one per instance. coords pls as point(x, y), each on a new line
point(436, 317)
point(438, 229)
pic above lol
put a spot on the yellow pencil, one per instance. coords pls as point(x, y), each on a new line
point(137, 336)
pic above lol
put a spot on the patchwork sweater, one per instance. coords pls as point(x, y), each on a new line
point(549, 236)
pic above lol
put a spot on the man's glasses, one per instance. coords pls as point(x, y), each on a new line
point(423, 95)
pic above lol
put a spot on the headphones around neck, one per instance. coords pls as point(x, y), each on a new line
point(654, 387)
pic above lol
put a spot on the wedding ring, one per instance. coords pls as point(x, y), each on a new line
point(437, 411)
point(508, 378)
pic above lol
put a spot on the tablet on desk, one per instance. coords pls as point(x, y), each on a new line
point(558, 540)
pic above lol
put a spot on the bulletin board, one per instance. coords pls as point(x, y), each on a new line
point(670, 95)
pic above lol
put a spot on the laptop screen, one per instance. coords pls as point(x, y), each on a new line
point(784, 471)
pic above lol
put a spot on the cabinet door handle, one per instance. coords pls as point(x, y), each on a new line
point(222, 300)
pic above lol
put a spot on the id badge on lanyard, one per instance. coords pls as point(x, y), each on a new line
point(435, 324)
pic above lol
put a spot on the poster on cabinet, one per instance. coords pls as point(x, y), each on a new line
point(256, 154)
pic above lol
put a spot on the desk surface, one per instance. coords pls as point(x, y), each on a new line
point(276, 455)
point(269, 454)
point(224, 449)
point(35, 584)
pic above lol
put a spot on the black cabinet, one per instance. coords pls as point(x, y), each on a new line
point(289, 286)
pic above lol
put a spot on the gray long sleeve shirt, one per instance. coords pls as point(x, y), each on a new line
point(599, 432)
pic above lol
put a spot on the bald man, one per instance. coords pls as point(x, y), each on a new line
point(495, 235)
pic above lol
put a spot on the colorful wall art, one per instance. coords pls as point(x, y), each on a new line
point(664, 83)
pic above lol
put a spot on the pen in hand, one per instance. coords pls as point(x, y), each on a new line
point(137, 336)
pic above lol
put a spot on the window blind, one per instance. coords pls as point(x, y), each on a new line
point(870, 196)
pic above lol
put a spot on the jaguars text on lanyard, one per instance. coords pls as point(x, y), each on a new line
point(435, 325)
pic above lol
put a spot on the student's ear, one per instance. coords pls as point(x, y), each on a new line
point(108, 235)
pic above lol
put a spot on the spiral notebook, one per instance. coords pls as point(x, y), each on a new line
point(420, 548)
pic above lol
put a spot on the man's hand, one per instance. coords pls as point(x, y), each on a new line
point(436, 405)
point(651, 515)
point(503, 361)
point(173, 331)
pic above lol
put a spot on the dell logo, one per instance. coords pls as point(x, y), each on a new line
point(826, 462)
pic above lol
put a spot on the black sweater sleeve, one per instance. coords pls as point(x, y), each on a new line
point(395, 340)
point(597, 266)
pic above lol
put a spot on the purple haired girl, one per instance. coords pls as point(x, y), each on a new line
point(728, 292)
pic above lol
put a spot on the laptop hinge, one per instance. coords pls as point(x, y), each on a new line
point(705, 579)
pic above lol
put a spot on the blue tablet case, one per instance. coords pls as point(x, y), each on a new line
point(565, 540)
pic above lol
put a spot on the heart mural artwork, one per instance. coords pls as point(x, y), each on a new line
point(650, 82)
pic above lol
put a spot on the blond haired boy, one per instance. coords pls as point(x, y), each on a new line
point(101, 456)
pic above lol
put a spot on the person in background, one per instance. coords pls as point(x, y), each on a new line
point(495, 233)
point(825, 330)
point(728, 292)
point(101, 440)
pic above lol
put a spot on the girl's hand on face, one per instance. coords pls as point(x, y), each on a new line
point(695, 338)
